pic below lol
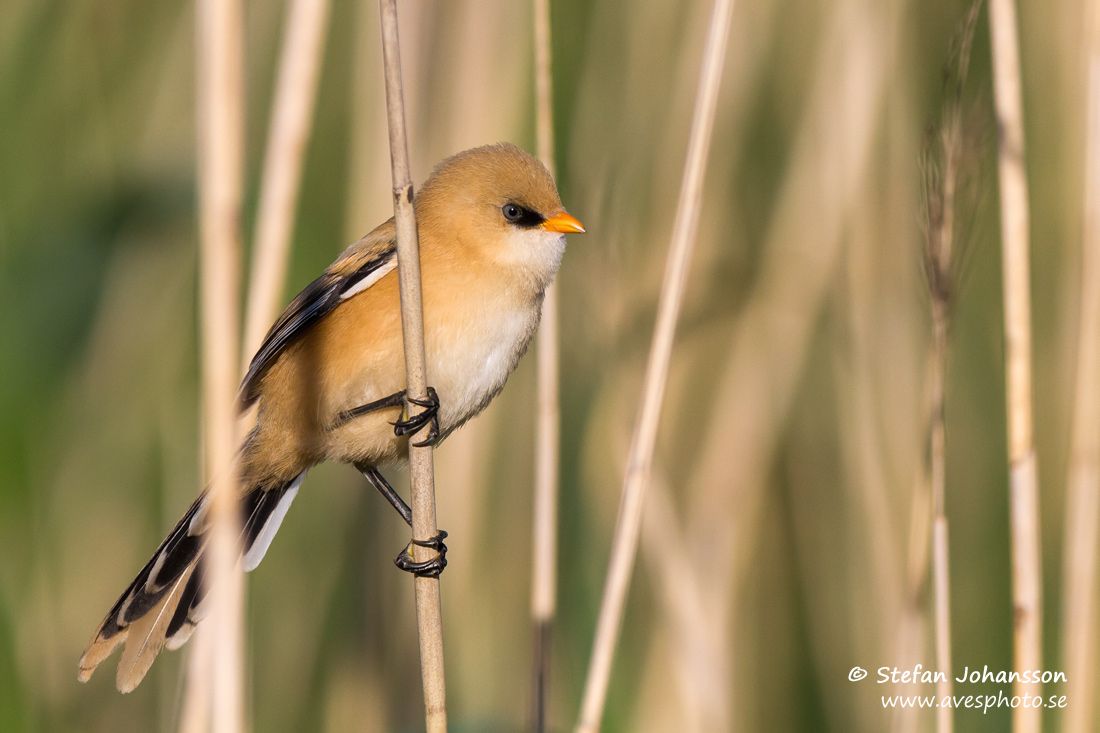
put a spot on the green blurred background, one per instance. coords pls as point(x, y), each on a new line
point(775, 547)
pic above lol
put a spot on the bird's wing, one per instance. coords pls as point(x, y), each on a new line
point(359, 267)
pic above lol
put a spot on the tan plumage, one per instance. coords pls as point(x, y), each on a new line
point(484, 269)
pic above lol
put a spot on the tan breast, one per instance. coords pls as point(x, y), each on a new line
point(476, 329)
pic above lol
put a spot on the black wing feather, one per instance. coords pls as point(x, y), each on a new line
point(192, 596)
point(317, 300)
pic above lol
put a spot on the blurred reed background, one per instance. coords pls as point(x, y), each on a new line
point(776, 544)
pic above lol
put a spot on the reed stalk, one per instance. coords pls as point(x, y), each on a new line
point(288, 134)
point(1023, 479)
point(195, 706)
point(910, 637)
point(1079, 649)
point(428, 614)
point(945, 164)
point(639, 463)
point(220, 97)
point(544, 586)
point(941, 579)
point(938, 255)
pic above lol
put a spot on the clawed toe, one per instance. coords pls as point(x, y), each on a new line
point(428, 568)
point(429, 416)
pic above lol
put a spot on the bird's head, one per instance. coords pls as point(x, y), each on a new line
point(502, 203)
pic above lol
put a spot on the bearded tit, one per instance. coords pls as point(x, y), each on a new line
point(327, 383)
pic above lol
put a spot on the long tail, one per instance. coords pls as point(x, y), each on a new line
point(165, 601)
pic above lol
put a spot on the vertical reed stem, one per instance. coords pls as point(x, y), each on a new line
point(940, 565)
point(291, 120)
point(944, 172)
point(195, 708)
point(1023, 487)
point(221, 131)
point(428, 616)
point(548, 425)
point(639, 464)
point(1083, 489)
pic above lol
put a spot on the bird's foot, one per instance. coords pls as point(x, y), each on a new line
point(413, 423)
point(428, 568)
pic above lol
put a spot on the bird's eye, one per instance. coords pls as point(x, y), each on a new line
point(521, 216)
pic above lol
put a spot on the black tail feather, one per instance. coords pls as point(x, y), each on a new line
point(160, 581)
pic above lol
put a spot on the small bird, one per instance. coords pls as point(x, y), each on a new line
point(328, 381)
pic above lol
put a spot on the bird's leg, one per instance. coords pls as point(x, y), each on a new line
point(404, 426)
point(379, 482)
point(397, 399)
point(413, 423)
point(428, 568)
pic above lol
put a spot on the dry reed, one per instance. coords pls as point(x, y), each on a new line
point(938, 259)
point(195, 706)
point(945, 161)
point(288, 134)
point(1083, 482)
point(428, 616)
point(221, 129)
point(639, 463)
point(911, 628)
point(1023, 480)
point(548, 425)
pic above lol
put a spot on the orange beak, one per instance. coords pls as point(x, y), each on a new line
point(562, 222)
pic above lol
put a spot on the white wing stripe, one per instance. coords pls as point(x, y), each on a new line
point(370, 279)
